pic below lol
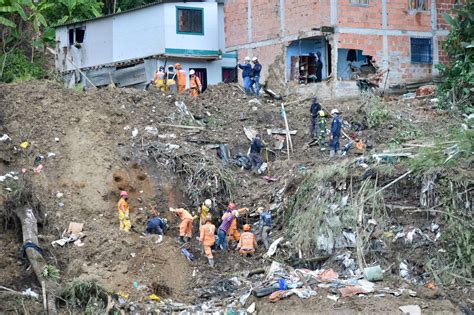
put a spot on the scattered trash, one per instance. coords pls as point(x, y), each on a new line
point(31, 293)
point(72, 234)
point(134, 132)
point(56, 139)
point(374, 273)
point(410, 309)
point(24, 145)
point(38, 169)
point(351, 290)
point(273, 247)
point(5, 137)
point(409, 96)
point(154, 297)
point(51, 155)
point(150, 130)
point(430, 285)
point(333, 297)
point(251, 308)
point(59, 195)
point(425, 90)
point(188, 255)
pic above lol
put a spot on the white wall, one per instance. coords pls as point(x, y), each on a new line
point(138, 34)
point(208, 41)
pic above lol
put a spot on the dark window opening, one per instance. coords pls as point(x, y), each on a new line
point(80, 35)
point(419, 5)
point(71, 36)
point(229, 75)
point(190, 21)
point(421, 50)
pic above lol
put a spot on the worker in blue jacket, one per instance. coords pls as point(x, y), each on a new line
point(156, 225)
point(257, 68)
point(247, 76)
point(336, 126)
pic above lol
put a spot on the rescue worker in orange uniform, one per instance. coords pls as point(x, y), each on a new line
point(181, 76)
point(233, 232)
point(248, 242)
point(124, 212)
point(208, 238)
point(186, 225)
point(195, 86)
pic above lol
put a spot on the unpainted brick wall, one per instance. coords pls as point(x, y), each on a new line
point(365, 16)
point(399, 17)
point(302, 15)
point(235, 22)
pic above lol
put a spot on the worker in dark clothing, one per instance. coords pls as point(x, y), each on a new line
point(315, 108)
point(255, 149)
point(336, 126)
point(257, 68)
point(319, 67)
point(156, 225)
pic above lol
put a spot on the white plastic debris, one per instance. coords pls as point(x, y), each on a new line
point(56, 139)
point(134, 132)
point(251, 308)
point(51, 154)
point(126, 128)
point(151, 130)
point(2, 178)
point(29, 292)
point(5, 137)
point(59, 194)
point(404, 273)
point(410, 309)
point(273, 247)
point(333, 297)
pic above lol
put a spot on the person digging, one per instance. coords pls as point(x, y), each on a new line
point(208, 239)
point(186, 225)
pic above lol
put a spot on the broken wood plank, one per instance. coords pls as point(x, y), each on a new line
point(280, 131)
point(182, 126)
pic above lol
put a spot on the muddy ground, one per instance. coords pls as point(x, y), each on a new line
point(97, 155)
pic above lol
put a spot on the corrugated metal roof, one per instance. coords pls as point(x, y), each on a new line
point(123, 12)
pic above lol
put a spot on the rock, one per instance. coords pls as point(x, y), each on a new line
point(425, 90)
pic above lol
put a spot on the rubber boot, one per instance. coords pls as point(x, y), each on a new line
point(211, 262)
point(181, 239)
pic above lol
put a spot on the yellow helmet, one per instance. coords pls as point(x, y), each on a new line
point(321, 113)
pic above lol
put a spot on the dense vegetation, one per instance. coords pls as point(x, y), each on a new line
point(26, 29)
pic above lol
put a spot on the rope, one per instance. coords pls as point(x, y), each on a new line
point(33, 246)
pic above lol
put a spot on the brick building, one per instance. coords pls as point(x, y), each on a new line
point(288, 35)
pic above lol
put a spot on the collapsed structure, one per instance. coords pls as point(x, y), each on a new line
point(353, 37)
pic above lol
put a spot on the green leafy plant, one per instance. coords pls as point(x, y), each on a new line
point(17, 67)
point(457, 87)
point(51, 272)
point(88, 296)
point(375, 112)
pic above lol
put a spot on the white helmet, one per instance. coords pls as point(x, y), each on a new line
point(247, 58)
point(254, 59)
point(191, 72)
point(235, 213)
point(334, 111)
point(208, 203)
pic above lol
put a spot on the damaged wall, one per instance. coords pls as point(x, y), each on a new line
point(382, 29)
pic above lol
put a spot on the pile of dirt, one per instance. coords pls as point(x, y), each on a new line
point(93, 144)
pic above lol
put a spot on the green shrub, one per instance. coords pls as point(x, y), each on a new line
point(19, 68)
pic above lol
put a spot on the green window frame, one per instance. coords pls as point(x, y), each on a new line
point(188, 12)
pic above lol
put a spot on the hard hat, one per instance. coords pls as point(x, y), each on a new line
point(165, 221)
point(260, 209)
point(247, 58)
point(208, 218)
point(162, 67)
point(315, 99)
point(246, 227)
point(191, 72)
point(321, 113)
point(231, 206)
point(177, 65)
point(254, 59)
point(208, 203)
point(235, 213)
point(123, 193)
point(334, 111)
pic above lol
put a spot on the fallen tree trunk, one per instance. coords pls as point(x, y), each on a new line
point(29, 229)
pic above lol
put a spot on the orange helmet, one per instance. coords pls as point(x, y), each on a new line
point(177, 65)
point(123, 193)
point(231, 206)
point(246, 227)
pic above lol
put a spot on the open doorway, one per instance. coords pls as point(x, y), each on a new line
point(201, 73)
